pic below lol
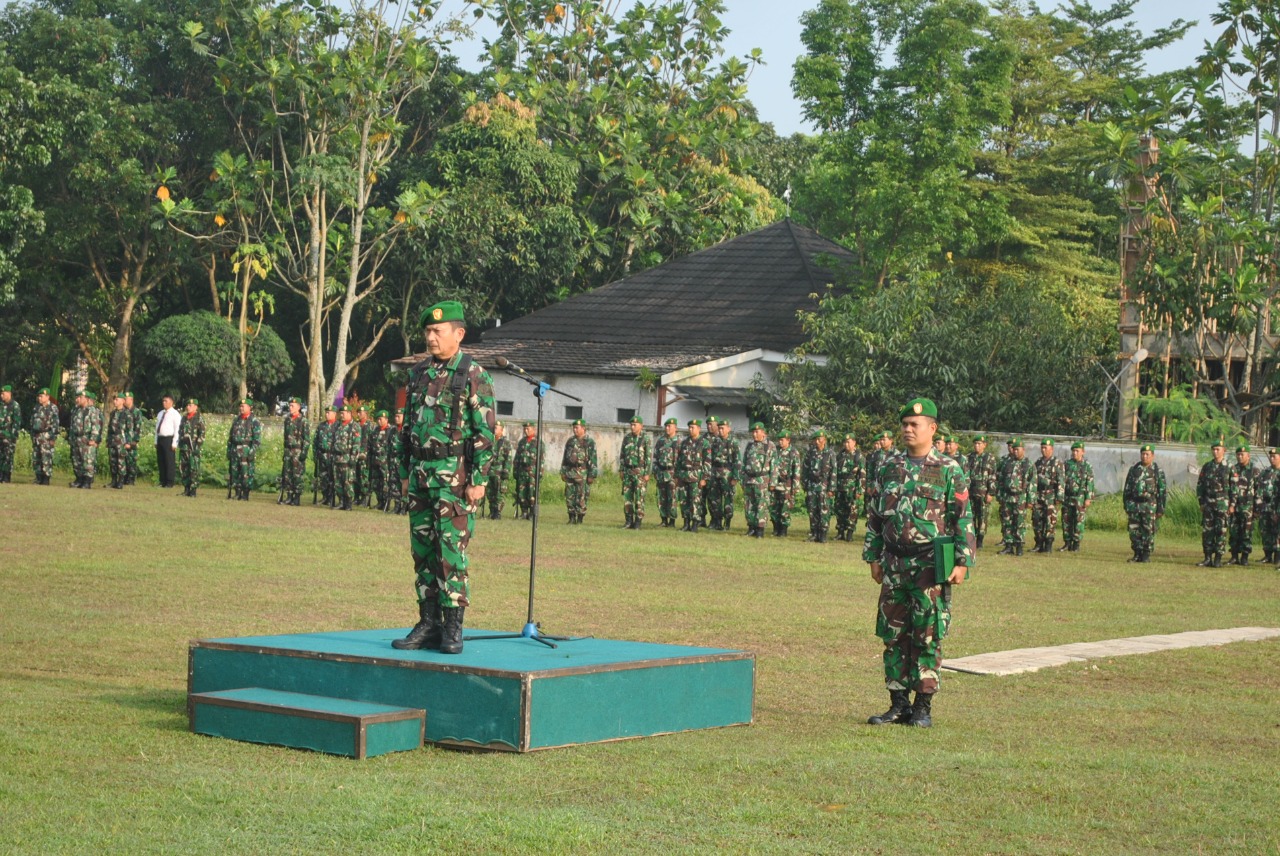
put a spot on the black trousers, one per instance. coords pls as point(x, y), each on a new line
point(164, 459)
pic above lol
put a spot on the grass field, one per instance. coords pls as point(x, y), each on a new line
point(101, 590)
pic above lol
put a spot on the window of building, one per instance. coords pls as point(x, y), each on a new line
point(625, 414)
point(572, 413)
point(506, 408)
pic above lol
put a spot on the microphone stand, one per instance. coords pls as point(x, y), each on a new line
point(530, 631)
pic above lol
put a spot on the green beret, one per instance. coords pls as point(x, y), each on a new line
point(851, 437)
point(332, 408)
point(401, 410)
point(711, 419)
point(1047, 441)
point(6, 388)
point(581, 422)
point(194, 401)
point(636, 420)
point(346, 408)
point(128, 393)
point(1243, 447)
point(919, 407)
point(89, 395)
point(819, 433)
point(757, 426)
point(784, 435)
point(1015, 442)
point(119, 395)
point(364, 408)
point(295, 400)
point(1078, 444)
point(445, 310)
point(951, 438)
point(1221, 441)
point(1273, 451)
point(671, 421)
point(531, 424)
point(248, 401)
point(981, 438)
point(693, 422)
point(1148, 447)
point(44, 390)
point(382, 414)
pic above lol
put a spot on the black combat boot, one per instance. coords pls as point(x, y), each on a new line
point(425, 635)
point(1017, 551)
point(451, 633)
point(1048, 546)
point(88, 483)
point(921, 714)
point(1006, 550)
point(1235, 558)
point(636, 521)
point(899, 709)
point(1244, 560)
point(979, 540)
point(1208, 560)
point(688, 527)
point(1065, 548)
point(785, 527)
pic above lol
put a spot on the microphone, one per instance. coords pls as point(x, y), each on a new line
point(504, 363)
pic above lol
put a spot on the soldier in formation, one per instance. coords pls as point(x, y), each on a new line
point(883, 447)
point(1049, 492)
point(818, 475)
point(118, 425)
point(361, 475)
point(190, 447)
point(1077, 495)
point(10, 428)
point(693, 460)
point(952, 451)
point(850, 479)
point(723, 478)
point(297, 440)
point(981, 470)
point(1145, 494)
point(346, 444)
point(1212, 486)
point(83, 435)
point(1241, 497)
point(634, 462)
point(579, 468)
point(46, 424)
point(1016, 491)
point(322, 454)
point(397, 495)
point(664, 470)
point(381, 452)
point(499, 471)
point(1268, 507)
point(757, 471)
point(243, 441)
point(529, 451)
point(134, 415)
point(784, 484)
point(923, 496)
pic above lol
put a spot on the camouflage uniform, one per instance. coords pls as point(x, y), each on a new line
point(693, 460)
point(818, 473)
point(981, 470)
point(346, 442)
point(322, 455)
point(524, 466)
point(784, 484)
point(84, 435)
point(293, 471)
point(393, 468)
point(447, 446)
point(634, 462)
point(361, 478)
point(758, 458)
point(722, 481)
point(1212, 487)
point(118, 425)
point(45, 426)
point(1049, 492)
point(134, 437)
point(382, 469)
point(1077, 489)
point(10, 428)
point(499, 472)
point(1266, 511)
point(243, 441)
point(579, 468)
point(190, 447)
point(851, 481)
point(1145, 494)
point(1015, 491)
point(1242, 495)
point(664, 470)
point(916, 503)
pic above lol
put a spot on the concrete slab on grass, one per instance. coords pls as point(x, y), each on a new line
point(1032, 659)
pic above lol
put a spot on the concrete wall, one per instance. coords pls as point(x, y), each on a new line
point(1112, 460)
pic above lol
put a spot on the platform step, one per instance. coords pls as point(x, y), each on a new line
point(339, 726)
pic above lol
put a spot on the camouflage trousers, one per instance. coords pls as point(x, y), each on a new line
point(522, 495)
point(41, 458)
point(666, 497)
point(323, 476)
point(440, 528)
point(360, 479)
point(131, 464)
point(493, 495)
point(1044, 520)
point(117, 463)
point(780, 508)
point(1072, 520)
point(241, 464)
point(912, 620)
point(576, 494)
point(755, 504)
point(293, 473)
point(378, 482)
point(818, 504)
point(634, 487)
point(84, 459)
point(720, 496)
point(1242, 531)
point(1013, 523)
point(1269, 530)
point(1142, 526)
point(690, 493)
point(7, 448)
point(188, 466)
point(1214, 527)
point(846, 510)
point(343, 482)
point(979, 506)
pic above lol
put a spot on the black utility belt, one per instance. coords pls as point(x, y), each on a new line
point(439, 453)
point(911, 552)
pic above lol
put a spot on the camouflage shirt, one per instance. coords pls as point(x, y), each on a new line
point(526, 457)
point(86, 425)
point(134, 431)
point(322, 442)
point(1268, 489)
point(758, 463)
point(693, 459)
point(246, 431)
point(664, 457)
point(850, 473)
point(1015, 481)
point(45, 423)
point(382, 446)
point(919, 500)
point(579, 461)
point(447, 457)
point(982, 473)
point(1213, 484)
point(724, 457)
point(1077, 482)
point(191, 432)
point(1145, 485)
point(1243, 491)
point(10, 420)
point(297, 432)
point(1050, 475)
point(786, 469)
point(818, 470)
point(500, 466)
point(118, 425)
point(634, 457)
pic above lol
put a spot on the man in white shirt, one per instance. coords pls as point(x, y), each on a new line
point(168, 421)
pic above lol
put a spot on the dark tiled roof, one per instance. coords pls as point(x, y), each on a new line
point(587, 358)
point(740, 294)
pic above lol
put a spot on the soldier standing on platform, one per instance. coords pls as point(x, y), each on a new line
point(1242, 496)
point(1145, 494)
point(46, 424)
point(664, 470)
point(1212, 486)
point(322, 455)
point(10, 428)
point(524, 464)
point(499, 471)
point(297, 439)
point(850, 478)
point(757, 471)
point(633, 466)
point(1077, 495)
point(190, 447)
point(818, 473)
point(133, 438)
point(1266, 507)
point(1049, 492)
point(1016, 491)
point(84, 435)
point(784, 484)
point(693, 460)
point(723, 478)
point(923, 496)
point(346, 440)
point(243, 441)
point(981, 470)
point(118, 424)
point(579, 469)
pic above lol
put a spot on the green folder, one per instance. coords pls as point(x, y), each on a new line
point(944, 558)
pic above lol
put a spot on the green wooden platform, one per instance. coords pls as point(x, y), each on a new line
point(503, 694)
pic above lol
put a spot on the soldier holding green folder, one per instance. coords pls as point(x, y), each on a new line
point(919, 543)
